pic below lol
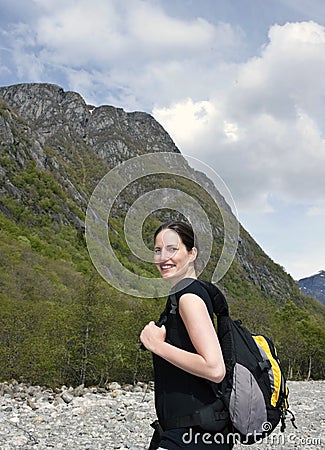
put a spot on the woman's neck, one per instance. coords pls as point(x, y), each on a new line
point(190, 273)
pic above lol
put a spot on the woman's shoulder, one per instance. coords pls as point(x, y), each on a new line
point(194, 286)
point(191, 286)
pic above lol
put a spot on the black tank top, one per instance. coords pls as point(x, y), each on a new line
point(178, 393)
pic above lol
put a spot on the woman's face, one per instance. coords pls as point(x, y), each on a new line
point(171, 257)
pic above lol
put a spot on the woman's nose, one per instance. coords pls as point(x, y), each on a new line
point(164, 255)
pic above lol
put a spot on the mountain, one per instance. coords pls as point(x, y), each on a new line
point(60, 322)
point(314, 286)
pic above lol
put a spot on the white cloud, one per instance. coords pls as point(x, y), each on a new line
point(101, 32)
point(269, 116)
point(188, 120)
point(316, 211)
point(153, 28)
point(133, 44)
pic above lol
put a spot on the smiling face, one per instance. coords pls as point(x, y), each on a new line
point(172, 258)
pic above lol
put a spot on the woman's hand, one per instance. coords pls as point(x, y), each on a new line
point(151, 336)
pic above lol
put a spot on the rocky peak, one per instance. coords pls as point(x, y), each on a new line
point(314, 286)
point(114, 133)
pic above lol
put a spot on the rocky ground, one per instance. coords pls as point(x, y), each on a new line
point(35, 418)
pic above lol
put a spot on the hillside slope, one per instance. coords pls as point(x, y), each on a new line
point(59, 318)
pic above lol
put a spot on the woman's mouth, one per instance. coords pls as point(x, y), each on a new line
point(166, 267)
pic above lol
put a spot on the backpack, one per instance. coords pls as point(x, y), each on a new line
point(253, 397)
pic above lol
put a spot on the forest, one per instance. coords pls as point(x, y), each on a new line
point(61, 323)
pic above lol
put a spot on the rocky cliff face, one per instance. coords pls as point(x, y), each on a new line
point(314, 286)
point(62, 134)
point(115, 134)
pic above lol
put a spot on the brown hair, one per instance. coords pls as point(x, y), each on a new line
point(183, 229)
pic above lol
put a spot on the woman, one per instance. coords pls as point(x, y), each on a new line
point(186, 350)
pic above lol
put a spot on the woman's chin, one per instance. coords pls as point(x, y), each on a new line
point(168, 275)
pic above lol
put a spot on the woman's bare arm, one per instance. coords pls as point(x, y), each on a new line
point(208, 361)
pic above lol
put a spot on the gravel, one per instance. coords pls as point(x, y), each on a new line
point(119, 417)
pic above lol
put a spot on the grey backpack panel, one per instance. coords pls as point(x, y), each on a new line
point(247, 412)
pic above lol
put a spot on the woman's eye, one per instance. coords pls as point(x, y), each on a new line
point(170, 250)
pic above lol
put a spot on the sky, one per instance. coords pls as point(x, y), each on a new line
point(238, 84)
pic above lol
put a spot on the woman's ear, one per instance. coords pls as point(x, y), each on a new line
point(193, 254)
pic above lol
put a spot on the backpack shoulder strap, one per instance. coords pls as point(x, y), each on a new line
point(219, 302)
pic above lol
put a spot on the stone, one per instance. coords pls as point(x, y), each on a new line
point(115, 393)
point(113, 386)
point(79, 390)
point(31, 404)
point(67, 397)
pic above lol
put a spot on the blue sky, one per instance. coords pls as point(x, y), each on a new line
point(238, 84)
